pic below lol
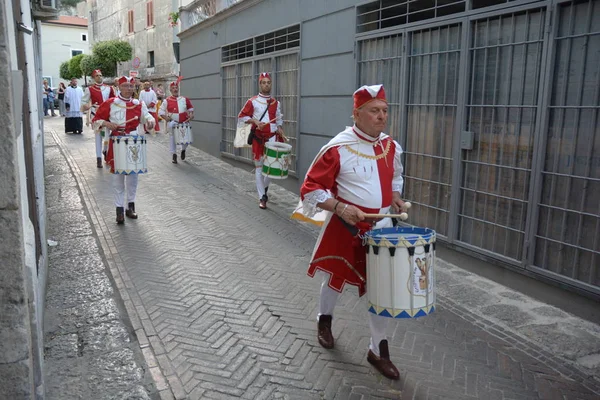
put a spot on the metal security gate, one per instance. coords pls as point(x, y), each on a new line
point(499, 116)
point(501, 112)
point(433, 65)
point(567, 233)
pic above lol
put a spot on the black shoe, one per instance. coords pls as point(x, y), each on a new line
point(120, 216)
point(266, 197)
point(104, 154)
point(98, 162)
point(131, 211)
point(174, 159)
point(182, 155)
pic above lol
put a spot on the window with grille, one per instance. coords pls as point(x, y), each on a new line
point(282, 39)
point(130, 21)
point(238, 50)
point(387, 13)
point(150, 14)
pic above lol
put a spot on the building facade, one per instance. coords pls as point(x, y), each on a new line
point(23, 250)
point(146, 26)
point(62, 39)
point(496, 104)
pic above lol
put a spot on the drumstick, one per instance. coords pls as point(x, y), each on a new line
point(402, 216)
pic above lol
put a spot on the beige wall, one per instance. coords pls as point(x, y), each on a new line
point(57, 43)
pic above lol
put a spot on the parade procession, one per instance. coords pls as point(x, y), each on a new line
point(300, 200)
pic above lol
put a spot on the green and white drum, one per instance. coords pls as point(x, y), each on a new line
point(277, 160)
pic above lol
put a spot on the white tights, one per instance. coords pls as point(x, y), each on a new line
point(262, 182)
point(377, 323)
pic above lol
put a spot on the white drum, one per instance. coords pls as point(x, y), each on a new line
point(183, 133)
point(401, 271)
point(129, 153)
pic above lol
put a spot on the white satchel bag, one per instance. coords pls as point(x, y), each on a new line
point(241, 136)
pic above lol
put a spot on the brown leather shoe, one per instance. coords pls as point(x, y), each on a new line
point(263, 202)
point(120, 216)
point(324, 331)
point(131, 211)
point(383, 364)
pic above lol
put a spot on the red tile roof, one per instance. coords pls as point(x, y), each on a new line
point(68, 20)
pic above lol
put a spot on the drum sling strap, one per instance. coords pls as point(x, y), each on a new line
point(251, 135)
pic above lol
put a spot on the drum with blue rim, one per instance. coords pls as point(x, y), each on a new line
point(401, 271)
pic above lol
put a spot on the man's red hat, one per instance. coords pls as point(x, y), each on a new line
point(176, 83)
point(264, 75)
point(125, 79)
point(96, 72)
point(366, 94)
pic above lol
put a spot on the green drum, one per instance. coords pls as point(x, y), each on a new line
point(277, 160)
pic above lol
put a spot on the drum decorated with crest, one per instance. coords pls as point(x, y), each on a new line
point(183, 133)
point(129, 154)
point(401, 271)
point(277, 160)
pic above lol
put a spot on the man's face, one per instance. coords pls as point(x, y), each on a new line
point(265, 86)
point(126, 89)
point(372, 117)
point(174, 91)
point(73, 82)
point(45, 83)
point(98, 78)
point(146, 85)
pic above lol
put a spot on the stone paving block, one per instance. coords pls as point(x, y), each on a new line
point(232, 317)
point(70, 293)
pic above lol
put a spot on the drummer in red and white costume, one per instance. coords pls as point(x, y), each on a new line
point(123, 115)
point(148, 96)
point(268, 129)
point(359, 171)
point(93, 96)
point(175, 110)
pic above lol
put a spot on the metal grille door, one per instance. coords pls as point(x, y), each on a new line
point(433, 65)
point(502, 106)
point(286, 91)
point(568, 230)
point(230, 107)
point(380, 62)
point(247, 89)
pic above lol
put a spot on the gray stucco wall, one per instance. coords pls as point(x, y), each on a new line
point(16, 369)
point(327, 68)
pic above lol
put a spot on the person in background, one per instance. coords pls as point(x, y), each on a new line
point(61, 98)
point(73, 116)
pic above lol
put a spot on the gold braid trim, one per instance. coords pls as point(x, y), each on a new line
point(125, 107)
point(370, 157)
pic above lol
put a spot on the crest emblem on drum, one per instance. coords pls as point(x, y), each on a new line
point(134, 154)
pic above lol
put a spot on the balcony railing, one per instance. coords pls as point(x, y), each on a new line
point(201, 10)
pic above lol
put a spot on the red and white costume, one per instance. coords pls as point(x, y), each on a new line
point(363, 171)
point(177, 108)
point(130, 114)
point(148, 96)
point(355, 169)
point(98, 94)
point(253, 109)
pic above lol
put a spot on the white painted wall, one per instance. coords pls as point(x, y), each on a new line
point(57, 42)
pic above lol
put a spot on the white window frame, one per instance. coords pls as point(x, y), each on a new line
point(86, 37)
point(71, 52)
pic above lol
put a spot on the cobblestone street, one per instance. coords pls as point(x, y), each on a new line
point(205, 296)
